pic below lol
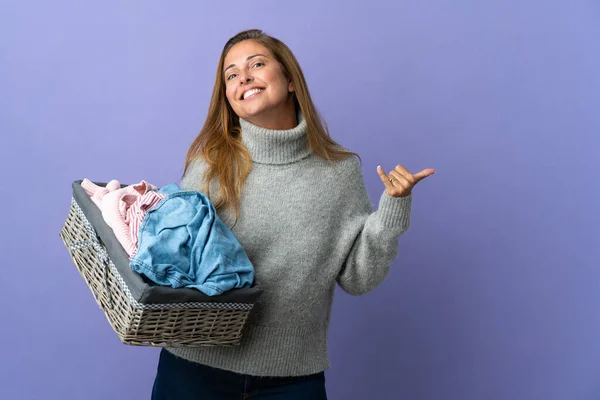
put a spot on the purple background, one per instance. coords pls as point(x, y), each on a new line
point(496, 291)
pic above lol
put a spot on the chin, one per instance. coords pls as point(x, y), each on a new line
point(252, 113)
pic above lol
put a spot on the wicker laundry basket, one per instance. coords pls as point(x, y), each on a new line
point(141, 313)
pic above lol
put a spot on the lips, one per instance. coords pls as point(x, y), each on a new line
point(251, 92)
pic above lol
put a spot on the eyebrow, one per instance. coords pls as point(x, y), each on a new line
point(249, 58)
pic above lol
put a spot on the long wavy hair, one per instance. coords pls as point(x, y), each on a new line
point(219, 142)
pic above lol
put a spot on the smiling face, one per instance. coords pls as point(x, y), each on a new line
point(256, 87)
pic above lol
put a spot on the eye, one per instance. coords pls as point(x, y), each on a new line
point(229, 77)
point(259, 62)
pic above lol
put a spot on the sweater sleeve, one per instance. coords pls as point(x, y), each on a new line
point(375, 244)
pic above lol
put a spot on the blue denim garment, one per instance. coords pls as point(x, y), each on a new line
point(183, 243)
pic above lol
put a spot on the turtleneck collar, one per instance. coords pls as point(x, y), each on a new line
point(271, 146)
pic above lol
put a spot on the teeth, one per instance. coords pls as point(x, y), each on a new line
point(251, 92)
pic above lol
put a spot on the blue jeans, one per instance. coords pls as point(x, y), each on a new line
point(179, 379)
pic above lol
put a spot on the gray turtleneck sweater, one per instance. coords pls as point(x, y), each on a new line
point(305, 225)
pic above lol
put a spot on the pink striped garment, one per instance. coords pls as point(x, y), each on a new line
point(137, 211)
point(124, 209)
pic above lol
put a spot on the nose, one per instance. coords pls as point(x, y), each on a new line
point(245, 78)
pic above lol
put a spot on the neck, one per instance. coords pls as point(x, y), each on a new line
point(281, 118)
point(275, 146)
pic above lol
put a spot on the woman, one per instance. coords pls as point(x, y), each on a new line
point(297, 202)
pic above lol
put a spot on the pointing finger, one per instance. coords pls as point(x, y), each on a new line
point(424, 174)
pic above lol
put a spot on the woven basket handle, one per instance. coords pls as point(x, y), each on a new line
point(103, 256)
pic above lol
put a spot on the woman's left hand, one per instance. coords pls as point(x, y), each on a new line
point(400, 182)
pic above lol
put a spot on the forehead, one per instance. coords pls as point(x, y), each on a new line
point(239, 52)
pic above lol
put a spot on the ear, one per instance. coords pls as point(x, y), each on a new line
point(291, 87)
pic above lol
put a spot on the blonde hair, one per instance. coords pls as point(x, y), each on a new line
point(219, 142)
